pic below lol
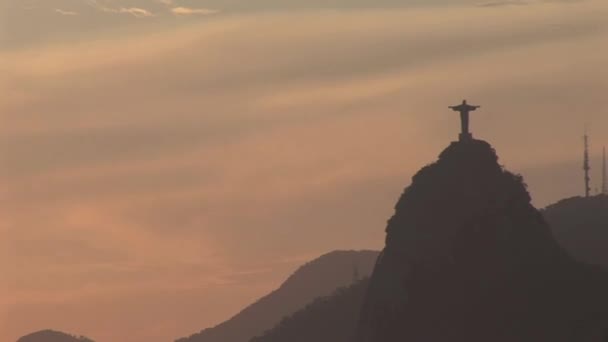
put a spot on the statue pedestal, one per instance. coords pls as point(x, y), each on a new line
point(465, 137)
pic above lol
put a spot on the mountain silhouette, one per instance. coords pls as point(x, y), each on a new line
point(326, 319)
point(52, 336)
point(468, 258)
point(580, 225)
point(317, 278)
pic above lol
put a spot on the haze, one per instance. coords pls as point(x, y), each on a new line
point(164, 163)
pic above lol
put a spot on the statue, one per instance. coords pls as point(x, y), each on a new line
point(464, 110)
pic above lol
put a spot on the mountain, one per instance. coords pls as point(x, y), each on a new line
point(327, 319)
point(317, 278)
point(52, 336)
point(580, 225)
point(468, 258)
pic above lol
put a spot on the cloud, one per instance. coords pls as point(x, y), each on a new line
point(191, 11)
point(137, 12)
point(64, 12)
point(503, 3)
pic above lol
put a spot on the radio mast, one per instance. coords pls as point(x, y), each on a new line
point(604, 174)
point(586, 165)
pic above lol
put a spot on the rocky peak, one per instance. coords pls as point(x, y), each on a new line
point(468, 258)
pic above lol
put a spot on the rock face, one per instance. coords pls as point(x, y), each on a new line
point(468, 258)
point(317, 278)
point(52, 336)
point(580, 225)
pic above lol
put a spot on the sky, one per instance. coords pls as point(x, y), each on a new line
point(163, 163)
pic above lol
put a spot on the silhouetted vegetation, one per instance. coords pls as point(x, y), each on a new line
point(327, 319)
point(52, 336)
point(468, 258)
point(316, 322)
point(317, 278)
point(577, 216)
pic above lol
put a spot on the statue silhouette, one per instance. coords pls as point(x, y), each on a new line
point(464, 110)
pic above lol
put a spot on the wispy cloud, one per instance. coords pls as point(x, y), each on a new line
point(137, 12)
point(64, 12)
point(499, 3)
point(193, 11)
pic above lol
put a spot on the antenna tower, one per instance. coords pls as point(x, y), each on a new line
point(586, 165)
point(604, 175)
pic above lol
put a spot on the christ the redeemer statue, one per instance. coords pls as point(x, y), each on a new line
point(464, 110)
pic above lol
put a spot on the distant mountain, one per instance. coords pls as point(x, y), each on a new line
point(580, 225)
point(327, 319)
point(317, 278)
point(52, 336)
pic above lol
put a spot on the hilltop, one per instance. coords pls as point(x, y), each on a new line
point(468, 258)
point(52, 336)
point(580, 225)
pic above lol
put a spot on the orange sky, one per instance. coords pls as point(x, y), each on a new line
point(161, 168)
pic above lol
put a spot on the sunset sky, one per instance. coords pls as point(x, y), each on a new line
point(165, 162)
